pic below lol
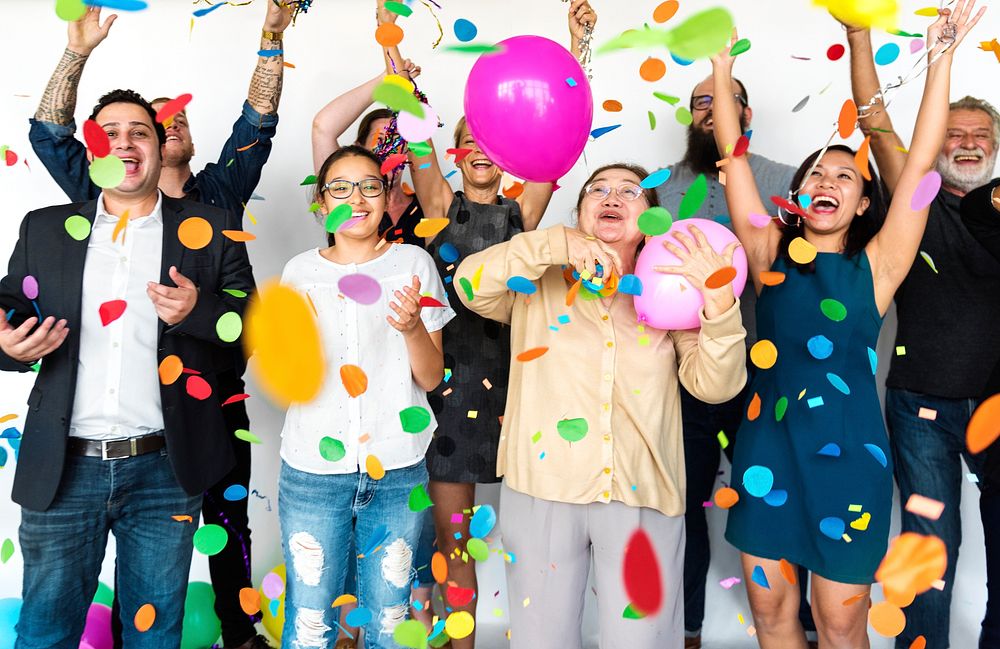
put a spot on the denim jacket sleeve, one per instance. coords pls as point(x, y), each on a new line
point(65, 158)
point(237, 172)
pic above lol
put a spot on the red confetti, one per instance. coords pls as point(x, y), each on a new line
point(188, 370)
point(235, 399)
point(741, 147)
point(789, 206)
point(11, 158)
point(111, 311)
point(835, 52)
point(96, 139)
point(427, 300)
point(641, 573)
point(459, 154)
point(172, 107)
point(198, 388)
point(458, 597)
point(392, 162)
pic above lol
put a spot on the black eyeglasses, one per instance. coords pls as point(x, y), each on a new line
point(626, 191)
point(704, 102)
point(370, 188)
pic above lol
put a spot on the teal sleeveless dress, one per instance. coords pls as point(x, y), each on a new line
point(812, 466)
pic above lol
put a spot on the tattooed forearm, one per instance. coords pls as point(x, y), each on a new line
point(268, 79)
point(59, 100)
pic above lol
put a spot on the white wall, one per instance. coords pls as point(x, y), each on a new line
point(333, 50)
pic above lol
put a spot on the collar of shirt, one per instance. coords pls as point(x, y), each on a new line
point(134, 221)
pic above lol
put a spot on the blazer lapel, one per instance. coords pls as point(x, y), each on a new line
point(73, 256)
point(173, 251)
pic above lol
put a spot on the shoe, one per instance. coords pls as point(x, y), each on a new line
point(692, 643)
point(256, 642)
point(346, 643)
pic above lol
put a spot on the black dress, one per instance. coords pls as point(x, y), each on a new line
point(402, 232)
point(467, 409)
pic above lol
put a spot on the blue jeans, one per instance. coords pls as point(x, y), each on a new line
point(323, 519)
point(63, 548)
point(927, 455)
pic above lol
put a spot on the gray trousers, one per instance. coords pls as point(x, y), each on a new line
point(553, 544)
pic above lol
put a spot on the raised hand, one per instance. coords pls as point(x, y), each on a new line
point(586, 252)
point(699, 261)
point(947, 32)
point(87, 33)
point(26, 347)
point(410, 69)
point(407, 307)
point(383, 14)
point(173, 304)
point(581, 16)
point(279, 16)
point(723, 59)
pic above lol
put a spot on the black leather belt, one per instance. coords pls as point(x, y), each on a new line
point(115, 449)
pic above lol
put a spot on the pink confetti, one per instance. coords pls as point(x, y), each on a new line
point(916, 45)
point(29, 286)
point(760, 220)
point(457, 519)
point(272, 585)
point(360, 288)
point(729, 582)
point(926, 190)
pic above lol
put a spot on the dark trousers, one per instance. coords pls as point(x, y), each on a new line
point(989, 508)
point(230, 569)
point(702, 423)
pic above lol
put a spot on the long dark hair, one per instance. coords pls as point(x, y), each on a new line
point(365, 126)
point(355, 150)
point(862, 227)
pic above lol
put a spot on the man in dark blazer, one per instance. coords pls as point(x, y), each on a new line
point(126, 301)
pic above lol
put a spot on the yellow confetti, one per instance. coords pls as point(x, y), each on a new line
point(428, 228)
point(473, 414)
point(374, 468)
point(901, 350)
point(477, 278)
point(801, 251)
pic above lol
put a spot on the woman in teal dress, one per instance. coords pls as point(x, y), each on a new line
point(812, 468)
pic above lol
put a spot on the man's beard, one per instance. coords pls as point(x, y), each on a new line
point(955, 175)
point(702, 153)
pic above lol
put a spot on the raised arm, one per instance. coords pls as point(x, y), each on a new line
point(333, 120)
point(269, 75)
point(433, 192)
point(885, 143)
point(742, 196)
point(894, 248)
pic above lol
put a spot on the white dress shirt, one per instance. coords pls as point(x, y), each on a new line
point(358, 334)
point(117, 383)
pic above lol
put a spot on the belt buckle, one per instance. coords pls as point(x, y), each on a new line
point(104, 449)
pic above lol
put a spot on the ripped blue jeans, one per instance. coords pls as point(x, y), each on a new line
point(324, 518)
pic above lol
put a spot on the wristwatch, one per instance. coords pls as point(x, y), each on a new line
point(271, 36)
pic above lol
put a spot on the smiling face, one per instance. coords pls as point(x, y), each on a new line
point(702, 119)
point(613, 219)
point(366, 211)
point(969, 153)
point(133, 140)
point(179, 148)
point(477, 170)
point(836, 191)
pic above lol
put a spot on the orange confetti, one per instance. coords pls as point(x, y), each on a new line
point(239, 236)
point(721, 277)
point(354, 379)
point(984, 427)
point(573, 290)
point(7, 418)
point(665, 11)
point(788, 572)
point(120, 227)
point(612, 105)
point(901, 598)
point(343, 599)
point(183, 518)
point(144, 618)
point(170, 369)
point(515, 190)
point(439, 567)
point(854, 599)
point(753, 410)
point(245, 148)
point(407, 190)
point(848, 119)
point(924, 506)
point(726, 497)
point(913, 562)
point(887, 619)
point(195, 232)
point(288, 65)
point(389, 35)
point(531, 354)
point(652, 69)
point(920, 642)
point(429, 227)
point(861, 158)
point(250, 601)
point(771, 277)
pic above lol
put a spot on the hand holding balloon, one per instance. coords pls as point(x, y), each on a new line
point(700, 263)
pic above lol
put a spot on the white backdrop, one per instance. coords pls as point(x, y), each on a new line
point(333, 50)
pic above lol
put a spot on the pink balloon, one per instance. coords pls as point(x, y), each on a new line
point(97, 633)
point(529, 108)
point(670, 301)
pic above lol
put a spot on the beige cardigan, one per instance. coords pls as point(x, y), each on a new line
point(601, 367)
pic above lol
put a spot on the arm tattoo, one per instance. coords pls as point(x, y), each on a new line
point(268, 79)
point(59, 100)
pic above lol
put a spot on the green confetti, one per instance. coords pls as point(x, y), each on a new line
point(474, 48)
point(537, 436)
point(246, 436)
point(235, 292)
point(420, 149)
point(655, 221)
point(572, 430)
point(6, 551)
point(77, 227)
point(107, 172)
point(340, 215)
point(229, 327)
point(70, 10)
point(331, 450)
point(36, 367)
point(315, 207)
point(210, 539)
point(723, 440)
point(739, 47)
point(419, 500)
point(410, 634)
point(683, 116)
point(694, 197)
point(930, 262)
point(652, 121)
point(415, 419)
point(398, 8)
point(397, 98)
point(833, 309)
point(478, 549)
point(309, 180)
point(670, 99)
point(899, 32)
point(700, 36)
point(104, 594)
point(780, 408)
point(467, 287)
point(631, 613)
point(230, 163)
point(880, 130)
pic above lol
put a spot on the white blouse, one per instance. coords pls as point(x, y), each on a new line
point(353, 333)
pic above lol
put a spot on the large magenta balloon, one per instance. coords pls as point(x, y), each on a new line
point(529, 108)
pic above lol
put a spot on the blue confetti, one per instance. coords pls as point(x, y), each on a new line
point(872, 359)
point(830, 450)
point(805, 200)
point(377, 538)
point(358, 617)
point(204, 12)
point(10, 314)
point(267, 53)
point(451, 173)
point(887, 54)
point(832, 527)
point(878, 454)
point(679, 61)
point(603, 130)
point(3, 457)
point(820, 347)
point(448, 253)
point(520, 284)
point(758, 577)
point(15, 445)
point(10, 433)
point(776, 497)
point(274, 603)
point(815, 402)
point(120, 5)
point(571, 82)
point(630, 285)
point(465, 30)
point(235, 492)
point(563, 319)
point(483, 521)
point(838, 383)
point(758, 480)
point(426, 165)
point(655, 179)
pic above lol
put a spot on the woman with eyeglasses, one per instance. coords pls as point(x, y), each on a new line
point(591, 449)
point(349, 464)
point(812, 467)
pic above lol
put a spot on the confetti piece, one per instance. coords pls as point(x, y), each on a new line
point(249, 601)
point(861, 158)
point(764, 354)
point(887, 619)
point(397, 98)
point(641, 574)
point(927, 413)
point(374, 468)
point(111, 311)
point(984, 426)
point(144, 618)
point(835, 52)
point(195, 233)
point(926, 190)
point(483, 521)
point(269, 53)
point(683, 116)
point(354, 379)
point(571, 82)
point(612, 106)
point(520, 284)
point(788, 572)
point(924, 506)
point(96, 139)
point(726, 497)
point(229, 327)
point(758, 481)
point(848, 119)
point(833, 309)
point(398, 8)
point(239, 236)
point(832, 527)
point(739, 47)
point(887, 54)
point(878, 454)
point(273, 585)
point(655, 179)
point(652, 120)
point(183, 518)
point(670, 99)
point(753, 410)
point(515, 190)
point(474, 48)
point(654, 221)
point(210, 539)
point(389, 35)
point(801, 251)
point(414, 419)
point(465, 30)
point(361, 288)
point(720, 278)
point(173, 107)
point(246, 436)
point(829, 450)
point(815, 402)
point(820, 347)
point(572, 430)
point(198, 388)
point(723, 440)
point(603, 130)
point(802, 104)
point(771, 277)
point(694, 197)
point(532, 354)
point(838, 383)
point(428, 301)
point(107, 172)
point(665, 11)
point(900, 350)
point(410, 634)
point(776, 497)
point(780, 407)
point(235, 493)
point(930, 262)
point(652, 69)
point(854, 599)
point(70, 10)
point(759, 577)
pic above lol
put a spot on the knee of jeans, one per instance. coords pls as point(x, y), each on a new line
point(392, 616)
point(307, 557)
point(397, 563)
point(310, 628)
